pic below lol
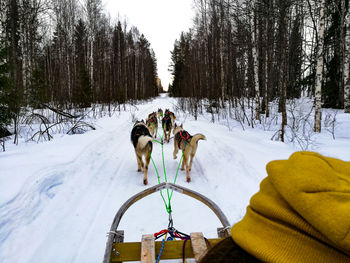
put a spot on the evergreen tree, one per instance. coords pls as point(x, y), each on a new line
point(6, 113)
point(82, 94)
point(37, 89)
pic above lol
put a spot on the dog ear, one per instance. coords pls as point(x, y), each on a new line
point(142, 121)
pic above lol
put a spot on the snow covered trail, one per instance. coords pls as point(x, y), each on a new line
point(58, 198)
point(64, 196)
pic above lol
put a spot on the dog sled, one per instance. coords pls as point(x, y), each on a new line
point(151, 251)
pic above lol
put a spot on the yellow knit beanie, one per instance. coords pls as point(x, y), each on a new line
point(301, 213)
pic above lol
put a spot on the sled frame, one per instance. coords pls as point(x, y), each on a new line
point(115, 236)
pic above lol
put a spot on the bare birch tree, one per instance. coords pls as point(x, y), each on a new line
point(319, 70)
point(256, 66)
point(347, 65)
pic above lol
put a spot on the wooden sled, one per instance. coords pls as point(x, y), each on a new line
point(147, 250)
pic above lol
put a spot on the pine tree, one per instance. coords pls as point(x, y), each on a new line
point(82, 94)
point(6, 113)
point(37, 89)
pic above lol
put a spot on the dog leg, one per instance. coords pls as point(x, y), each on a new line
point(176, 149)
point(164, 131)
point(147, 159)
point(183, 162)
point(188, 178)
point(142, 165)
point(139, 161)
point(191, 160)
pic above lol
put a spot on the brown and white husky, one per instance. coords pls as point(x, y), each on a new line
point(143, 143)
point(188, 144)
point(152, 124)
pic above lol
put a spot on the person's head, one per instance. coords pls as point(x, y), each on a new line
point(300, 214)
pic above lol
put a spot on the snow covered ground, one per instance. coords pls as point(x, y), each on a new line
point(58, 198)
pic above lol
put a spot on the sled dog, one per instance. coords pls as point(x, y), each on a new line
point(171, 115)
point(167, 127)
point(188, 144)
point(142, 141)
point(152, 124)
point(160, 114)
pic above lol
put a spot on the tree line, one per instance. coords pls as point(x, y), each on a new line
point(68, 54)
point(264, 50)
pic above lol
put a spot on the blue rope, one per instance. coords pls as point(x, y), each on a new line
point(161, 250)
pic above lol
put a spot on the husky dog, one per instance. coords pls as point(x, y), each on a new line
point(188, 144)
point(153, 114)
point(171, 115)
point(167, 127)
point(152, 124)
point(142, 141)
point(160, 114)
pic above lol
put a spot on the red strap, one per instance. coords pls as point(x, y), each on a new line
point(160, 232)
point(183, 137)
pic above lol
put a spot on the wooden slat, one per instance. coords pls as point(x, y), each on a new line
point(131, 251)
point(199, 246)
point(147, 249)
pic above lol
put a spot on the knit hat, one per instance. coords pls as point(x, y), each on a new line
point(301, 213)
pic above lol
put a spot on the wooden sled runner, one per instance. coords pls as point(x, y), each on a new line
point(147, 250)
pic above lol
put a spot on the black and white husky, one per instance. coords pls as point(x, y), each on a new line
point(142, 141)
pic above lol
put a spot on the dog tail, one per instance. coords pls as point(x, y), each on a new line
point(196, 138)
point(145, 141)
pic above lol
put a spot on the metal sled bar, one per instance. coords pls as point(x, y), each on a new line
point(151, 190)
point(131, 251)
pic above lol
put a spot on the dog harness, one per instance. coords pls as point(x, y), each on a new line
point(153, 114)
point(185, 136)
point(151, 120)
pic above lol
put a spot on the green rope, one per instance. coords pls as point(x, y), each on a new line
point(170, 195)
point(157, 141)
point(167, 207)
point(164, 171)
point(178, 167)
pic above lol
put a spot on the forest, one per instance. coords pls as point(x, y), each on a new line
point(263, 51)
point(69, 56)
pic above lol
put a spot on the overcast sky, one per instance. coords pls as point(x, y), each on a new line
point(161, 21)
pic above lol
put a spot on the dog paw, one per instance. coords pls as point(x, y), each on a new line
point(175, 157)
point(182, 169)
point(145, 182)
point(139, 170)
point(188, 179)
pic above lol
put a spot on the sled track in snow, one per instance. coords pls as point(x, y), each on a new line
point(41, 187)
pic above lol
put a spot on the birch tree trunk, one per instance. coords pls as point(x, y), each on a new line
point(341, 51)
point(319, 69)
point(256, 70)
point(347, 65)
point(267, 112)
point(222, 73)
point(222, 70)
